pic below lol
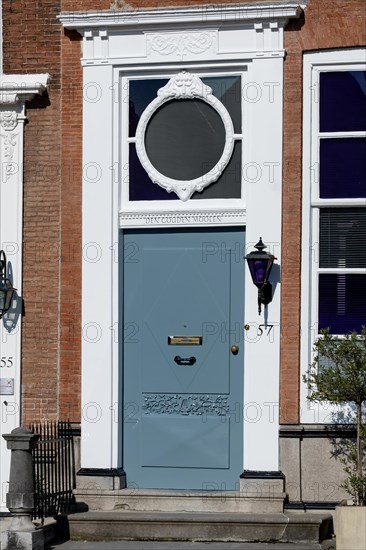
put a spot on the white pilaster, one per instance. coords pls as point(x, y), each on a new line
point(99, 275)
point(14, 91)
point(263, 173)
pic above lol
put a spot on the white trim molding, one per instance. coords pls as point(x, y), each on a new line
point(314, 64)
point(15, 90)
point(184, 85)
point(196, 15)
point(185, 218)
point(182, 33)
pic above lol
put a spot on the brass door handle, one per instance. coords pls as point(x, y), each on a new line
point(234, 350)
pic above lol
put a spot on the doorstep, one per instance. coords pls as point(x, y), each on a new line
point(199, 526)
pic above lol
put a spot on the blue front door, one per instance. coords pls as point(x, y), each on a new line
point(183, 296)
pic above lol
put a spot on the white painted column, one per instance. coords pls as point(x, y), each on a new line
point(14, 91)
point(263, 174)
point(99, 444)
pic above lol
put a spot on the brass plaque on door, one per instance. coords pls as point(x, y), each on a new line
point(185, 340)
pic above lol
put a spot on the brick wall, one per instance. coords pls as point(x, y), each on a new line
point(31, 44)
point(327, 24)
point(35, 42)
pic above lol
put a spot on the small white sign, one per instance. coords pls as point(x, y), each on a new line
point(6, 386)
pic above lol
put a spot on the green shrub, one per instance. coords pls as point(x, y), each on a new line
point(342, 380)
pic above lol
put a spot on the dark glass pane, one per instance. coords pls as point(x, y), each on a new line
point(228, 90)
point(228, 186)
point(142, 93)
point(342, 302)
point(342, 237)
point(343, 101)
point(141, 186)
point(185, 138)
point(342, 168)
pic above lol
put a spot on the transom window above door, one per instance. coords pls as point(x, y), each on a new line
point(184, 138)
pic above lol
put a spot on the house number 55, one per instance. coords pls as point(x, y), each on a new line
point(6, 362)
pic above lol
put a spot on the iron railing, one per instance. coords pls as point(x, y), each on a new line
point(54, 468)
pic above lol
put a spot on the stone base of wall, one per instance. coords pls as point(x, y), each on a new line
point(309, 458)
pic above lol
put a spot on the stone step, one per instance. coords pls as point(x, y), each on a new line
point(266, 500)
point(200, 526)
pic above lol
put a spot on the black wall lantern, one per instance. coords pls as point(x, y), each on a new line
point(6, 288)
point(260, 265)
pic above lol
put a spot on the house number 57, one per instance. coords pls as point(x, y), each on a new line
point(6, 362)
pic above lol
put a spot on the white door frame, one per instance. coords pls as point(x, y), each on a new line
point(130, 41)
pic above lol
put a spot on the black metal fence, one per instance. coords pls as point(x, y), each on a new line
point(54, 468)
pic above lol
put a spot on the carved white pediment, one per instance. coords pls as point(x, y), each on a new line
point(185, 86)
point(180, 43)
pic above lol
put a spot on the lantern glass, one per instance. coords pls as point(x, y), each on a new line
point(258, 270)
point(3, 294)
point(271, 259)
point(9, 298)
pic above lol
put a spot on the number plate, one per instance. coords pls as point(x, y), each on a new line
point(6, 386)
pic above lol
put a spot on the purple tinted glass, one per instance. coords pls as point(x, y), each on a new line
point(343, 101)
point(342, 302)
point(258, 270)
point(342, 168)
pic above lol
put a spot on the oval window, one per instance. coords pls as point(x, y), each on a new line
point(185, 136)
point(185, 139)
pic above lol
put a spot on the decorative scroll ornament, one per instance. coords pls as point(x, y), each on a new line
point(185, 86)
point(184, 404)
point(181, 43)
point(9, 144)
point(8, 120)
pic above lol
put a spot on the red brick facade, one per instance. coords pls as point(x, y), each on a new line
point(325, 25)
point(35, 42)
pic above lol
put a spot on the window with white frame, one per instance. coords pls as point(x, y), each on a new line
point(334, 194)
point(174, 139)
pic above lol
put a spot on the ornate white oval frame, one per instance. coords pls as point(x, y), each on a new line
point(185, 85)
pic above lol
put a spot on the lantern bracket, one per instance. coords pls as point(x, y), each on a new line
point(260, 264)
point(6, 287)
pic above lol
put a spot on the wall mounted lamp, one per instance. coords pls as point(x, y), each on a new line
point(260, 265)
point(6, 288)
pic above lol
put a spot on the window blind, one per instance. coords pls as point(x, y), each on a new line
point(342, 241)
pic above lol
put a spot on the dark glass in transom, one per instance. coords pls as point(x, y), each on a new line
point(227, 89)
point(185, 139)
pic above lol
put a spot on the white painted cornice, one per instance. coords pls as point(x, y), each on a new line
point(203, 15)
point(18, 88)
